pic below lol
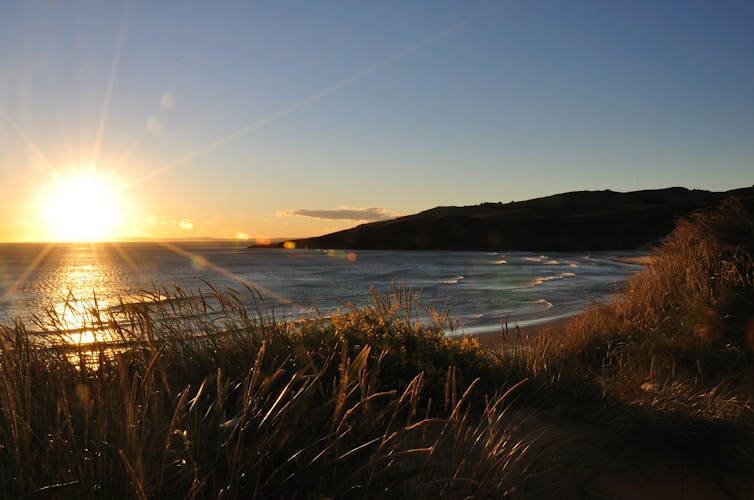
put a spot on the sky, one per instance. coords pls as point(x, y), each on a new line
point(257, 120)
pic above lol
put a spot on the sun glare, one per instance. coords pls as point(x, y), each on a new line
point(81, 207)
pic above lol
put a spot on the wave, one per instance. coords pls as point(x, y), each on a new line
point(500, 261)
point(539, 305)
point(453, 281)
point(146, 298)
point(538, 281)
point(536, 259)
point(495, 319)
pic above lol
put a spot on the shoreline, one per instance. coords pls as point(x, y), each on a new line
point(497, 340)
point(636, 260)
point(525, 334)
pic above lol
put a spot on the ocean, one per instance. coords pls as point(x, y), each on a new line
point(482, 289)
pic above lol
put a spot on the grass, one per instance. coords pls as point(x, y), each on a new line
point(367, 403)
point(668, 362)
point(198, 397)
point(684, 316)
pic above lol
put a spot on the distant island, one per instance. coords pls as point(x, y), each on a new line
point(581, 220)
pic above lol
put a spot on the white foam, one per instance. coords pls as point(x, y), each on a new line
point(453, 281)
point(538, 281)
point(544, 305)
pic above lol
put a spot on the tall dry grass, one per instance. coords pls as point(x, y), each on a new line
point(687, 312)
point(668, 362)
point(226, 404)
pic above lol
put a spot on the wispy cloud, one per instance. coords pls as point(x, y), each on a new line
point(343, 213)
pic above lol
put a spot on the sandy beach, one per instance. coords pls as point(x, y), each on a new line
point(497, 340)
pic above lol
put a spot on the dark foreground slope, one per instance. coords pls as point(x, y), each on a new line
point(583, 220)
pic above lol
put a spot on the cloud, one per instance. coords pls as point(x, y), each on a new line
point(156, 220)
point(186, 224)
point(343, 213)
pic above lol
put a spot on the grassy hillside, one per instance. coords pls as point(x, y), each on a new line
point(585, 220)
point(651, 391)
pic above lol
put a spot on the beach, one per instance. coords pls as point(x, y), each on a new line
point(518, 335)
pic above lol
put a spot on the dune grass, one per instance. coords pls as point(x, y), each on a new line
point(365, 403)
point(684, 316)
point(199, 397)
point(669, 361)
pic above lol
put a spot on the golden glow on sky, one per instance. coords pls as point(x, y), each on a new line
point(215, 135)
point(81, 206)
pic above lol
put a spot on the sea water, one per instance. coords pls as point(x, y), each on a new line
point(482, 289)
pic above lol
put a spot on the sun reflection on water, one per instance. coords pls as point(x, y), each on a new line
point(82, 291)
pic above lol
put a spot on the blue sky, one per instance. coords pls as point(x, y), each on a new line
point(290, 119)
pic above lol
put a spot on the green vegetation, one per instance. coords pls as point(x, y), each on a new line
point(371, 403)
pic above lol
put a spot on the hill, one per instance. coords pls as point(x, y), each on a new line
point(581, 220)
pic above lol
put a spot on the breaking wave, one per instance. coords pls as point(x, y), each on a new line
point(539, 305)
point(538, 281)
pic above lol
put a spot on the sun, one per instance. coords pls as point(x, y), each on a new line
point(81, 206)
